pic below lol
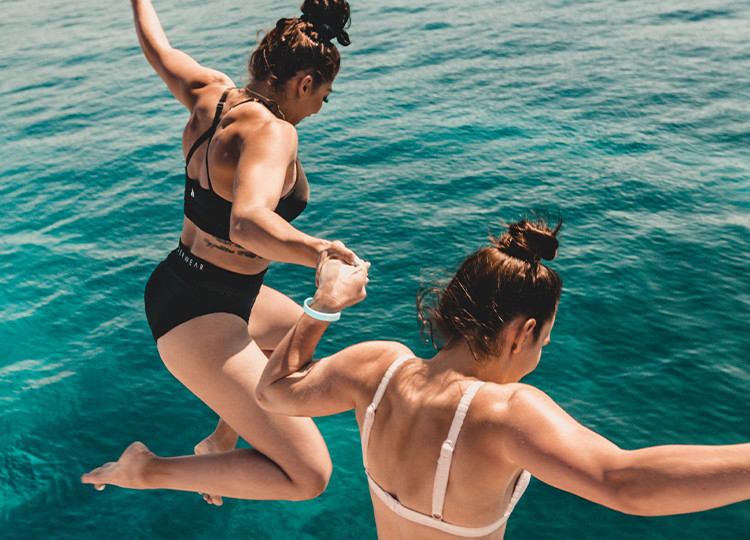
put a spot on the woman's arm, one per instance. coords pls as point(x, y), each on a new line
point(294, 384)
point(182, 73)
point(540, 437)
point(266, 154)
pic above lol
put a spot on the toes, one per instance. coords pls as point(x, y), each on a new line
point(213, 499)
point(100, 476)
point(91, 478)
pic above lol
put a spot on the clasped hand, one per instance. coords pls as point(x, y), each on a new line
point(340, 285)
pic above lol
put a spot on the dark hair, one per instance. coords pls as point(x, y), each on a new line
point(302, 44)
point(493, 286)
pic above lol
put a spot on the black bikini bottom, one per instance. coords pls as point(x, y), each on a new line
point(184, 286)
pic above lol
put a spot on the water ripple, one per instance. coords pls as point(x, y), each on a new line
point(630, 119)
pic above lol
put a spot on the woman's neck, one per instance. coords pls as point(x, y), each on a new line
point(459, 358)
point(273, 99)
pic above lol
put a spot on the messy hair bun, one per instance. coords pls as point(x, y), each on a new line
point(492, 287)
point(529, 241)
point(328, 18)
point(303, 44)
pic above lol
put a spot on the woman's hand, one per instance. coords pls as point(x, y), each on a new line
point(336, 250)
point(340, 285)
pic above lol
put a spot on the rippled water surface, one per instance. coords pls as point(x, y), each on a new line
point(631, 119)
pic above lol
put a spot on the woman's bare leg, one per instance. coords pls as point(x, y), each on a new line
point(273, 315)
point(223, 439)
point(215, 358)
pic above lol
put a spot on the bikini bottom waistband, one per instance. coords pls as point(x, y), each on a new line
point(200, 272)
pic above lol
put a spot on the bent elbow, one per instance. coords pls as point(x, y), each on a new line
point(238, 231)
point(244, 223)
point(264, 397)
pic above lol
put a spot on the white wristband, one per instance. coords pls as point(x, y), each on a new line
point(319, 315)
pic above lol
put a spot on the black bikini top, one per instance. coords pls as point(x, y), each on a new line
point(210, 212)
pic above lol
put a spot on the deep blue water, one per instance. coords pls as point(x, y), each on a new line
point(631, 119)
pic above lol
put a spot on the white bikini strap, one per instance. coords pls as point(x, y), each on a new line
point(521, 484)
point(429, 521)
point(456, 530)
point(446, 451)
point(370, 413)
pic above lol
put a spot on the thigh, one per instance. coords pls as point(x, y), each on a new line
point(273, 315)
point(215, 358)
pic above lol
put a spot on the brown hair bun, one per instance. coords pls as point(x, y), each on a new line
point(329, 18)
point(529, 241)
point(303, 44)
point(492, 286)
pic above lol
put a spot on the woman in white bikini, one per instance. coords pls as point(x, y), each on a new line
point(449, 443)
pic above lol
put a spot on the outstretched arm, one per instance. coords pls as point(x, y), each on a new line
point(293, 383)
point(663, 480)
point(183, 75)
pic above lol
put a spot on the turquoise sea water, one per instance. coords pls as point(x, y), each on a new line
point(629, 118)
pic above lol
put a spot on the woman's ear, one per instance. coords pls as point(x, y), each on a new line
point(305, 85)
point(523, 335)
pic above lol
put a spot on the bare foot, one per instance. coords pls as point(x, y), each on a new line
point(127, 472)
point(213, 444)
point(223, 439)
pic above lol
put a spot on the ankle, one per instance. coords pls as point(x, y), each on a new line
point(147, 474)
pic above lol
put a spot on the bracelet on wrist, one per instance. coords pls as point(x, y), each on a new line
point(320, 315)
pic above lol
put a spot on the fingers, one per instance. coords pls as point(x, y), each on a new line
point(361, 269)
point(365, 280)
point(337, 250)
point(341, 274)
point(349, 257)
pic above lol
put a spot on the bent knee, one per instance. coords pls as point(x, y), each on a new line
point(312, 482)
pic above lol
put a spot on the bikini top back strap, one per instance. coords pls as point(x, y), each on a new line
point(446, 451)
point(210, 131)
point(370, 413)
point(250, 100)
point(217, 117)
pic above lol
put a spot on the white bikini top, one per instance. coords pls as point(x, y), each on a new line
point(443, 468)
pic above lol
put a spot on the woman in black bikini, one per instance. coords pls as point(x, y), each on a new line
point(244, 185)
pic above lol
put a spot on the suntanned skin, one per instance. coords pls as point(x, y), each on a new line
point(253, 163)
point(510, 426)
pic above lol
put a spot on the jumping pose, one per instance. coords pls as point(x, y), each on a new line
point(449, 443)
point(243, 186)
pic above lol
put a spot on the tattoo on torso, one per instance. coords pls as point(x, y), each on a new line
point(229, 247)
